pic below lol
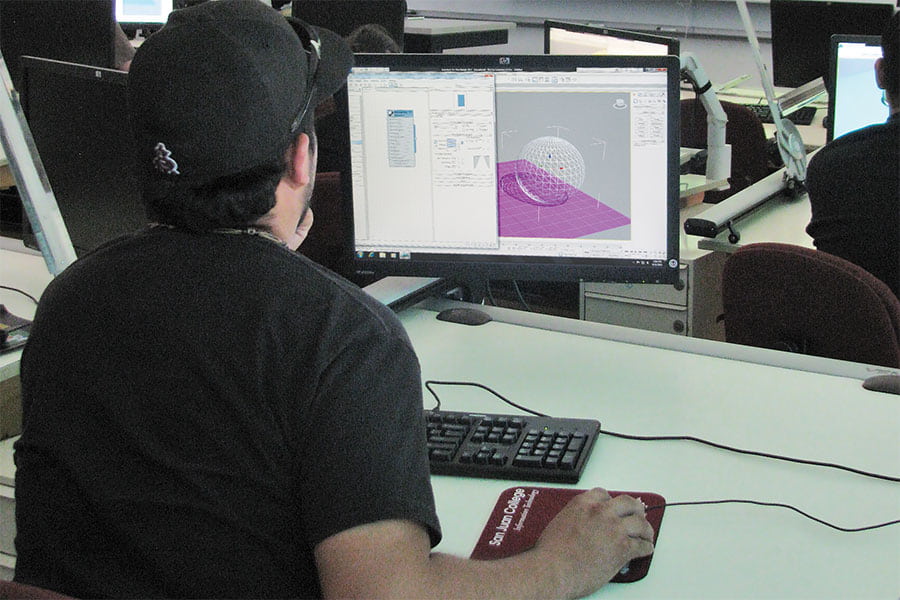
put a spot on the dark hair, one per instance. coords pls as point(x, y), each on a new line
point(890, 49)
point(374, 38)
point(235, 201)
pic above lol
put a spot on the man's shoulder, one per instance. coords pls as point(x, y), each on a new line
point(864, 140)
point(861, 149)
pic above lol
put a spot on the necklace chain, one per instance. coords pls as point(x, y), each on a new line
point(230, 231)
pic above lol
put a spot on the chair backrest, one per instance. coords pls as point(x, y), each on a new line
point(744, 132)
point(12, 590)
point(798, 299)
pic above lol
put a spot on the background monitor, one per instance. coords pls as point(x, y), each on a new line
point(854, 99)
point(343, 16)
point(548, 168)
point(802, 30)
point(573, 38)
point(79, 120)
point(143, 14)
point(79, 31)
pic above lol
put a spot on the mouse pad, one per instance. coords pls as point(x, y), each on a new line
point(522, 512)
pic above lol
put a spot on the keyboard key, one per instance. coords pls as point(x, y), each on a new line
point(545, 449)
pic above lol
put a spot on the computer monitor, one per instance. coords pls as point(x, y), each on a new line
point(79, 31)
point(573, 38)
point(538, 167)
point(344, 16)
point(854, 100)
point(802, 30)
point(143, 14)
point(78, 116)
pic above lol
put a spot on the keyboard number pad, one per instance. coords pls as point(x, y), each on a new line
point(550, 449)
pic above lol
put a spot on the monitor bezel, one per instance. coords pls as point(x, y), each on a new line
point(836, 41)
point(531, 268)
point(673, 44)
point(78, 32)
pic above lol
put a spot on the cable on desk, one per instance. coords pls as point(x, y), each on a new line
point(777, 505)
point(689, 438)
point(437, 399)
point(24, 293)
point(669, 438)
point(429, 383)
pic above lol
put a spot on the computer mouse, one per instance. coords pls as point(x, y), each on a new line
point(464, 316)
point(889, 384)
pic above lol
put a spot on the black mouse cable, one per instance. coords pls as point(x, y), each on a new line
point(665, 438)
point(775, 505)
point(803, 461)
point(431, 382)
point(17, 290)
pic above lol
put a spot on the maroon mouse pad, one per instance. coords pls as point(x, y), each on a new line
point(522, 512)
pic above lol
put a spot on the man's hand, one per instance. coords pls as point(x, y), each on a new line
point(593, 537)
point(587, 543)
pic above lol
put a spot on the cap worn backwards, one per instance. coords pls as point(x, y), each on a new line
point(218, 89)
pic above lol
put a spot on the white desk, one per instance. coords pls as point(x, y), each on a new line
point(24, 269)
point(649, 383)
point(725, 551)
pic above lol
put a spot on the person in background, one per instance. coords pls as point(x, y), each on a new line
point(854, 182)
point(204, 408)
point(372, 37)
point(123, 50)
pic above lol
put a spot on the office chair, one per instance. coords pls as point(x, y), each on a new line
point(803, 300)
point(12, 590)
point(744, 132)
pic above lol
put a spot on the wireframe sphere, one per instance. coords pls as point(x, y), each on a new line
point(548, 169)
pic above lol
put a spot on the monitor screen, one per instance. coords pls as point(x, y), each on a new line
point(79, 31)
point(802, 30)
point(571, 38)
point(532, 167)
point(143, 12)
point(79, 120)
point(854, 100)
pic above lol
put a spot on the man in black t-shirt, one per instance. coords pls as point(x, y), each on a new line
point(854, 182)
point(200, 401)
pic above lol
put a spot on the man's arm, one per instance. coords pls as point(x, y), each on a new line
point(580, 550)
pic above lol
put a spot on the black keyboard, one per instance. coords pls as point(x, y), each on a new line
point(802, 116)
point(549, 449)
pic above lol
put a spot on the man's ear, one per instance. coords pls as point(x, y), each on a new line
point(301, 160)
point(879, 72)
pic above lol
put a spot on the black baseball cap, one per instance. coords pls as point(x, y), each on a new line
point(222, 87)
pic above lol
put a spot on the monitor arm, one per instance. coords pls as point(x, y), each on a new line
point(790, 143)
point(718, 157)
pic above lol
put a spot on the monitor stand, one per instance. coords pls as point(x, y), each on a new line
point(398, 293)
